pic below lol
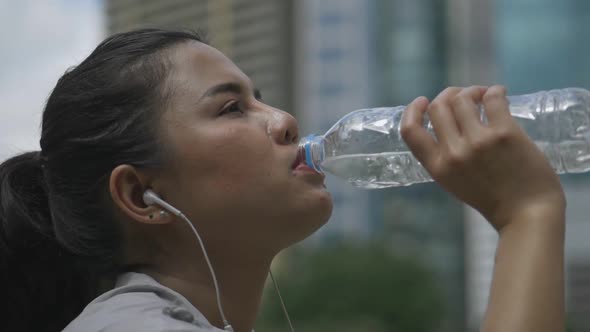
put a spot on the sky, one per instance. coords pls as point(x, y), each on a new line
point(39, 40)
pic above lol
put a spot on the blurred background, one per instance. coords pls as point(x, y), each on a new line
point(404, 259)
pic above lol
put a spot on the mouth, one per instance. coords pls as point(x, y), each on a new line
point(299, 159)
point(299, 166)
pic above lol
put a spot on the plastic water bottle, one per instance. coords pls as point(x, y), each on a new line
point(366, 149)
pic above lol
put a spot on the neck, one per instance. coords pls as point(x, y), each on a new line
point(241, 283)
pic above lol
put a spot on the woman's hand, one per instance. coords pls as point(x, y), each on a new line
point(493, 167)
point(496, 169)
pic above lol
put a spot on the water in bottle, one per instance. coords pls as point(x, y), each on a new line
point(365, 147)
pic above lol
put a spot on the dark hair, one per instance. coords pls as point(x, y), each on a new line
point(58, 236)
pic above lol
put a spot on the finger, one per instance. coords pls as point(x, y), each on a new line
point(418, 139)
point(442, 117)
point(466, 106)
point(496, 105)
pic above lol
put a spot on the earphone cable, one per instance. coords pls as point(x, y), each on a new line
point(282, 302)
point(150, 198)
point(226, 325)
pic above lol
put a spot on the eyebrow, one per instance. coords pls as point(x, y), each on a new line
point(230, 87)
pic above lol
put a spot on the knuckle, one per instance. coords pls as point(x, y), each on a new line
point(476, 92)
point(500, 88)
point(457, 100)
point(439, 172)
point(454, 89)
point(435, 105)
point(479, 145)
point(495, 92)
point(502, 135)
point(440, 169)
point(457, 156)
point(407, 129)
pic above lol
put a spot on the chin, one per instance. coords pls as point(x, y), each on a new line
point(312, 217)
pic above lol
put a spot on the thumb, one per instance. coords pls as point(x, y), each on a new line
point(418, 139)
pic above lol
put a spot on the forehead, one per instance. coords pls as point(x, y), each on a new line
point(197, 67)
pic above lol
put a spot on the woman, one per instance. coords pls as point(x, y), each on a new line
point(163, 111)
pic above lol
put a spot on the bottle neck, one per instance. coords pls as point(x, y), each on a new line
point(312, 149)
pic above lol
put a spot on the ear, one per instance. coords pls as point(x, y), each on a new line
point(127, 186)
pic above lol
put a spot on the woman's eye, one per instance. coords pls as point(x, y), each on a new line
point(232, 108)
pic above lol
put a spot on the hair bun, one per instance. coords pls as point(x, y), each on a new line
point(25, 218)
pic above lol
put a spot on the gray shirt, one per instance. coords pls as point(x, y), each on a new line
point(139, 303)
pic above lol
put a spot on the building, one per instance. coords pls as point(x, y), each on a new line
point(527, 47)
point(255, 34)
point(321, 59)
point(300, 73)
point(332, 79)
point(412, 58)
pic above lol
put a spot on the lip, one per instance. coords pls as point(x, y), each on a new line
point(310, 174)
point(299, 159)
point(300, 166)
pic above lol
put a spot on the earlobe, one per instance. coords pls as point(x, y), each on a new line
point(126, 186)
point(158, 218)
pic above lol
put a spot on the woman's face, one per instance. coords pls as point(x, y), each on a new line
point(232, 166)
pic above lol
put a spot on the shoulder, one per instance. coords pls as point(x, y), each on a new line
point(140, 304)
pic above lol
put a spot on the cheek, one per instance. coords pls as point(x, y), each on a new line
point(231, 159)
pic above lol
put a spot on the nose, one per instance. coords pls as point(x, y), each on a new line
point(284, 128)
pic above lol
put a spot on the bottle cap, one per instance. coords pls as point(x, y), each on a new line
point(313, 146)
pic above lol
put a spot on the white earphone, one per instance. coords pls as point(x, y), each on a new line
point(151, 198)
